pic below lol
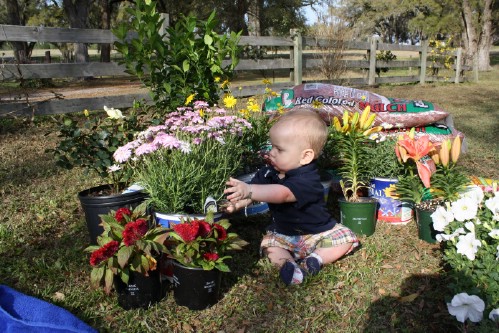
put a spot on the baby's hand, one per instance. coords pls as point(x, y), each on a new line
point(237, 190)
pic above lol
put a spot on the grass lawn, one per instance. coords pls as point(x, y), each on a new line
point(394, 283)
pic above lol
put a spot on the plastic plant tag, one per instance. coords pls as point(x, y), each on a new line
point(210, 205)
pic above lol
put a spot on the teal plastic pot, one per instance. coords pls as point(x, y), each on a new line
point(360, 217)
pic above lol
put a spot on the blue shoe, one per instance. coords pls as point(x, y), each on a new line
point(287, 273)
point(312, 265)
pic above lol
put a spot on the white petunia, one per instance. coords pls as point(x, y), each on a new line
point(473, 192)
point(441, 218)
point(470, 226)
point(113, 113)
point(464, 306)
point(494, 233)
point(494, 315)
point(493, 205)
point(468, 245)
point(464, 209)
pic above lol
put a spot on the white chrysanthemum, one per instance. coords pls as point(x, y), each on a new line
point(185, 147)
point(493, 205)
point(473, 192)
point(494, 315)
point(113, 113)
point(464, 306)
point(113, 168)
point(464, 209)
point(441, 218)
point(468, 245)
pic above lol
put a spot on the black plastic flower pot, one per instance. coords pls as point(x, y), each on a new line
point(195, 288)
point(94, 205)
point(140, 292)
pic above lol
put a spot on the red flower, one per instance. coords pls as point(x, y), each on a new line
point(134, 231)
point(204, 228)
point(120, 213)
point(187, 231)
point(211, 256)
point(221, 232)
point(104, 253)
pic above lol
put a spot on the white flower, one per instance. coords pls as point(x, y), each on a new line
point(493, 205)
point(441, 218)
point(113, 168)
point(113, 113)
point(494, 233)
point(386, 125)
point(468, 245)
point(464, 209)
point(470, 226)
point(464, 306)
point(373, 136)
point(494, 315)
point(473, 192)
point(185, 147)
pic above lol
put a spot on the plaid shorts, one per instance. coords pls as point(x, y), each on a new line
point(302, 245)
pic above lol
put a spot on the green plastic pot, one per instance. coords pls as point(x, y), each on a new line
point(425, 225)
point(360, 217)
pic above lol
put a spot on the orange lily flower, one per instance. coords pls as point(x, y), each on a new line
point(415, 150)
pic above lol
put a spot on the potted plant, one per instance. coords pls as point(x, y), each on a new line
point(438, 179)
point(199, 249)
point(384, 170)
point(470, 236)
point(89, 143)
point(127, 257)
point(351, 135)
point(184, 163)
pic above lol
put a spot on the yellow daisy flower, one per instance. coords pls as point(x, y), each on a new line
point(230, 101)
point(217, 79)
point(189, 99)
point(266, 81)
point(317, 104)
point(86, 113)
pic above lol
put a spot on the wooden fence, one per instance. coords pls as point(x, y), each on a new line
point(297, 55)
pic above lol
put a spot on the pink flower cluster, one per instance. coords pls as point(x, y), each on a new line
point(182, 128)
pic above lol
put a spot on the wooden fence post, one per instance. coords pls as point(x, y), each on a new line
point(458, 63)
point(297, 57)
point(372, 60)
point(422, 61)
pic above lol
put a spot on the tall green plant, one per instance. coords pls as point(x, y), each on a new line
point(186, 60)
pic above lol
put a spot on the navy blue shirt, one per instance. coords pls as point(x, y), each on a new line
point(308, 214)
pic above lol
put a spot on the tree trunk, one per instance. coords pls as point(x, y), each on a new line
point(477, 32)
point(77, 13)
point(254, 18)
point(105, 49)
point(22, 50)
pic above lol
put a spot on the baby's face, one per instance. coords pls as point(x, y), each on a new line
point(287, 148)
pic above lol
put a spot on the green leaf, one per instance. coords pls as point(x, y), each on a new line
point(124, 254)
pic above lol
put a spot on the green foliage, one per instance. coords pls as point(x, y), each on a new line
point(385, 56)
point(448, 182)
point(183, 61)
point(91, 142)
point(381, 159)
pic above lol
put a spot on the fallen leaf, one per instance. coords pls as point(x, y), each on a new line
point(58, 296)
point(408, 298)
point(381, 291)
point(387, 266)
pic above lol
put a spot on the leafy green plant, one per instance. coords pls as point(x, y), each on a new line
point(386, 56)
point(128, 243)
point(381, 159)
point(352, 134)
point(90, 143)
point(185, 60)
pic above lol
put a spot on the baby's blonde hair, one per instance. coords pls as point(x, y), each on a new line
point(308, 125)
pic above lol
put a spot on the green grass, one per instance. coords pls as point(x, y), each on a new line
point(394, 282)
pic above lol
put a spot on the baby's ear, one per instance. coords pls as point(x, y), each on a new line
point(307, 156)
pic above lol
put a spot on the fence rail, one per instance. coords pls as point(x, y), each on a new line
point(296, 54)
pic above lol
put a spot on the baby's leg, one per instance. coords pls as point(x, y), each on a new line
point(331, 254)
point(277, 255)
